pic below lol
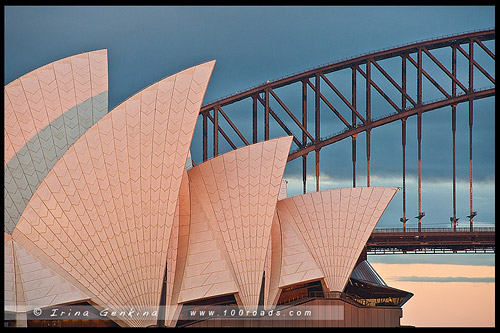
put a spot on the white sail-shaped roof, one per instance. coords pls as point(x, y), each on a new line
point(331, 227)
point(104, 213)
point(45, 112)
point(109, 208)
point(238, 192)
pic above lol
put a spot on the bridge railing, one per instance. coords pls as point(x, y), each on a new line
point(399, 230)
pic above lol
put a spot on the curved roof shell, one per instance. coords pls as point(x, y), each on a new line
point(238, 192)
point(110, 208)
point(45, 112)
point(103, 215)
point(30, 283)
point(323, 233)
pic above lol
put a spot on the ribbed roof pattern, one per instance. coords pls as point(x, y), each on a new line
point(104, 213)
point(107, 207)
point(30, 284)
point(45, 112)
point(238, 192)
point(204, 271)
point(365, 272)
point(334, 226)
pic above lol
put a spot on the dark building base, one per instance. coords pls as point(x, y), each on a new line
point(316, 312)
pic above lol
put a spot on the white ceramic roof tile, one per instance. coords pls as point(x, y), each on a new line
point(238, 192)
point(294, 251)
point(9, 276)
point(29, 283)
point(353, 213)
point(44, 115)
point(119, 205)
point(82, 227)
point(205, 272)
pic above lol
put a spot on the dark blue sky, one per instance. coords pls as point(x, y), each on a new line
point(253, 44)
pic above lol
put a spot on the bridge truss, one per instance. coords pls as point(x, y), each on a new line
point(406, 94)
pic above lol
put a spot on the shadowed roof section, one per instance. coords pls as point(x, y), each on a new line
point(103, 215)
point(30, 284)
point(365, 272)
point(45, 112)
point(202, 269)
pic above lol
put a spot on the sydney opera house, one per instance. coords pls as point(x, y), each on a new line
point(107, 222)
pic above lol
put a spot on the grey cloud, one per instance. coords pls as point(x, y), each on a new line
point(446, 279)
point(454, 259)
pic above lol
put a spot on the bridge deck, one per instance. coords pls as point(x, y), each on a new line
point(431, 240)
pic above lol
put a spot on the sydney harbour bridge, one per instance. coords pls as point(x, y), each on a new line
point(410, 92)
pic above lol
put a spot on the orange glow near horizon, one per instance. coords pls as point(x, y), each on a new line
point(467, 300)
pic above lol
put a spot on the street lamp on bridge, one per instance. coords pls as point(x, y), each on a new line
point(454, 220)
point(403, 220)
point(419, 217)
point(470, 217)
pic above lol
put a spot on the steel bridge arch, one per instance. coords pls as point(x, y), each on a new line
point(361, 120)
point(389, 119)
